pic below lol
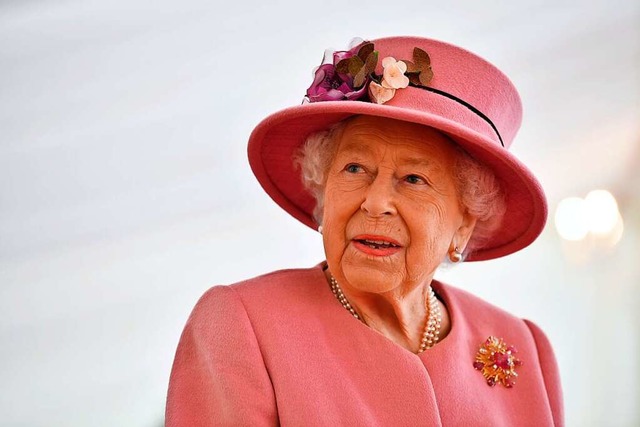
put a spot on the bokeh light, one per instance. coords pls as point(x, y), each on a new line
point(596, 215)
point(571, 220)
point(602, 211)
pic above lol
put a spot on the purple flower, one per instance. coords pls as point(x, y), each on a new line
point(329, 85)
point(343, 75)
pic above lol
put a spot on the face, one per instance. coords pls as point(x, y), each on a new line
point(391, 211)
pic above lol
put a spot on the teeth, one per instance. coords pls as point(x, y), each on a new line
point(378, 243)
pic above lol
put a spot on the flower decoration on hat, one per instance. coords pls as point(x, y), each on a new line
point(350, 75)
point(497, 362)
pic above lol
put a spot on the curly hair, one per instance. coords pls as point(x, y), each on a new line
point(479, 191)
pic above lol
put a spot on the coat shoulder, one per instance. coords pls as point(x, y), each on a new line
point(474, 307)
point(282, 289)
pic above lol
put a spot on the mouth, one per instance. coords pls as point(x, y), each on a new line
point(376, 245)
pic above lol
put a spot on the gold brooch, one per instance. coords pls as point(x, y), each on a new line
point(497, 362)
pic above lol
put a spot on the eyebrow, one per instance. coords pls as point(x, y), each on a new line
point(356, 148)
point(415, 161)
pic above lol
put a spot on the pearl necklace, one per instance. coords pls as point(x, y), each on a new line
point(431, 333)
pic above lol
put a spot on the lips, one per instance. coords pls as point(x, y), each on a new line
point(376, 245)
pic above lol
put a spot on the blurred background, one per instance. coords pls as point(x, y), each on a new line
point(125, 191)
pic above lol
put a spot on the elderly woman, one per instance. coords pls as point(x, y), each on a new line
point(399, 158)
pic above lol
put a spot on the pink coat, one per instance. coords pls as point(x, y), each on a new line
point(280, 349)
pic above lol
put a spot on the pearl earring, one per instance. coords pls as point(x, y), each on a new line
point(455, 255)
point(320, 229)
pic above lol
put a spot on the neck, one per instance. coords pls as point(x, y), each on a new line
point(399, 315)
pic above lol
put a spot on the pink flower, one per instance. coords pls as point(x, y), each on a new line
point(393, 75)
point(380, 94)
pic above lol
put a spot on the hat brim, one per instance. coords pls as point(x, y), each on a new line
point(274, 141)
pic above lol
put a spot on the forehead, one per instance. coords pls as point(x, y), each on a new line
point(410, 142)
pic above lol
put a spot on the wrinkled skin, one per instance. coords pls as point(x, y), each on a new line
point(394, 180)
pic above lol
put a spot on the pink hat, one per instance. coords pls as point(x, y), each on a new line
point(451, 90)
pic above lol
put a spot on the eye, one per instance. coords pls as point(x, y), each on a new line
point(415, 179)
point(353, 168)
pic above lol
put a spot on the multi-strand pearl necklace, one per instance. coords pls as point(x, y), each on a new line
point(431, 333)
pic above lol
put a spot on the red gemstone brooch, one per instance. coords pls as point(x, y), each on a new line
point(497, 362)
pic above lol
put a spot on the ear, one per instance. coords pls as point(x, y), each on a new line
point(463, 233)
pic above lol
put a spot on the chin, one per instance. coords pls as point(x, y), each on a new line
point(368, 278)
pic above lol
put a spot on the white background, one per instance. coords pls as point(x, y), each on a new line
point(125, 191)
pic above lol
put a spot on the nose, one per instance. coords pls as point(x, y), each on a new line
point(380, 197)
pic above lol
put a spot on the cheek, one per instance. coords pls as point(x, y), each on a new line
point(336, 213)
point(341, 200)
point(333, 228)
point(430, 231)
point(334, 237)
